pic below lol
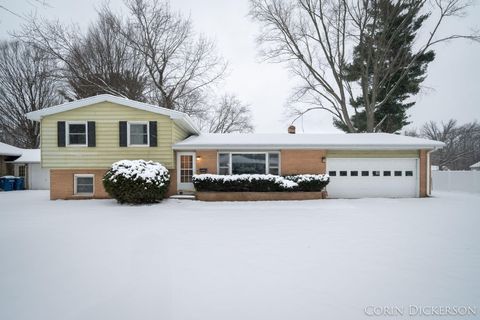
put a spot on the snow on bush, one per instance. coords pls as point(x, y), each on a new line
point(310, 182)
point(137, 181)
point(259, 182)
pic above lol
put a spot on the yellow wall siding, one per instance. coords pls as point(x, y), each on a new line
point(106, 116)
point(372, 154)
point(178, 133)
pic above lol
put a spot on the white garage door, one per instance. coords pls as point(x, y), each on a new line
point(372, 177)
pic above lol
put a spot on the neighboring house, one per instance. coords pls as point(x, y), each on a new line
point(475, 166)
point(24, 163)
point(81, 139)
point(8, 153)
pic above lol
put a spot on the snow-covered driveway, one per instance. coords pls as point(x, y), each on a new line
point(326, 259)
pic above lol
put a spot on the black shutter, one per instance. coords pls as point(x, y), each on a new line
point(122, 126)
point(153, 133)
point(91, 133)
point(61, 133)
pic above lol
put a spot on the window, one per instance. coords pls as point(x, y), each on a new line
point(409, 173)
point(387, 173)
point(365, 173)
point(273, 163)
point(343, 173)
point(83, 184)
point(186, 168)
point(398, 173)
point(223, 163)
point(22, 171)
point(376, 173)
point(354, 173)
point(332, 173)
point(76, 133)
point(138, 134)
point(249, 163)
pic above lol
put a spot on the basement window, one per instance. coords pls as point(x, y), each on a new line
point(84, 184)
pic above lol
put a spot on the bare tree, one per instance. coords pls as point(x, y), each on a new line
point(316, 38)
point(229, 115)
point(181, 65)
point(462, 143)
point(28, 84)
point(101, 62)
point(92, 63)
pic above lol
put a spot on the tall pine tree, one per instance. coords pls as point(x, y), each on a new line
point(398, 22)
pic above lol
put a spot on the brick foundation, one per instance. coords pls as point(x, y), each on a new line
point(62, 184)
point(259, 196)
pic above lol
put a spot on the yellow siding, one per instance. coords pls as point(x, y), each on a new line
point(106, 116)
point(372, 154)
point(178, 133)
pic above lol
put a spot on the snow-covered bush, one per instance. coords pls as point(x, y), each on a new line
point(259, 182)
point(137, 181)
point(310, 182)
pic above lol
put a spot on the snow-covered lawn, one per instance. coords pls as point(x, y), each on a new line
point(326, 259)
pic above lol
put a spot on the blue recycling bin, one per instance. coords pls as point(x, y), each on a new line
point(8, 183)
point(19, 183)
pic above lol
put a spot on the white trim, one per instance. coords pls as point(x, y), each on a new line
point(263, 142)
point(128, 133)
point(429, 171)
point(67, 133)
point(267, 156)
point(182, 119)
point(83, 175)
point(180, 185)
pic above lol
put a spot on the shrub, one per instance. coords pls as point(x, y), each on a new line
point(137, 181)
point(310, 182)
point(259, 183)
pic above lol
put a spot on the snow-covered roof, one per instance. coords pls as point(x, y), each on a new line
point(350, 141)
point(25, 155)
point(29, 156)
point(475, 165)
point(179, 117)
point(8, 150)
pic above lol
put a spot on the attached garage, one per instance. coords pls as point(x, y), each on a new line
point(360, 165)
point(373, 177)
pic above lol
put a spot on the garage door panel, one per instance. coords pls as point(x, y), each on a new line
point(383, 185)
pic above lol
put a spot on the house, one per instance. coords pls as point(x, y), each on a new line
point(475, 166)
point(24, 163)
point(81, 139)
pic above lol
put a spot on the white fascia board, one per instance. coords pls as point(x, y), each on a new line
point(181, 118)
point(302, 147)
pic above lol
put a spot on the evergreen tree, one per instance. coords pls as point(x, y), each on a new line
point(391, 34)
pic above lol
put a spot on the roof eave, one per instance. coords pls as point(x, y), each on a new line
point(301, 146)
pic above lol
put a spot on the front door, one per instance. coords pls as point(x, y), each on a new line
point(185, 170)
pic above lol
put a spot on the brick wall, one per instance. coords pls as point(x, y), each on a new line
point(62, 183)
point(207, 159)
point(302, 161)
point(423, 173)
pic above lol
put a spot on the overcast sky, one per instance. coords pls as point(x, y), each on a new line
point(452, 88)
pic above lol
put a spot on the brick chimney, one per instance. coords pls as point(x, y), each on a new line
point(291, 129)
